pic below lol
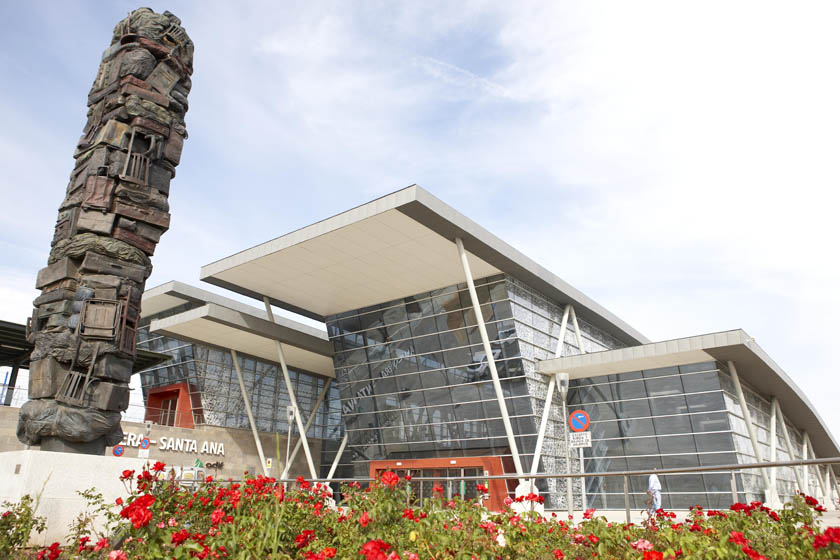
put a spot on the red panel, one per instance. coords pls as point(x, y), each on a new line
point(184, 408)
point(491, 464)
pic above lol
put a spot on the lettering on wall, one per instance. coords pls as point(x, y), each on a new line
point(367, 390)
point(183, 445)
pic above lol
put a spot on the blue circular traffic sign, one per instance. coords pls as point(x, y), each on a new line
point(579, 421)
point(145, 443)
point(118, 450)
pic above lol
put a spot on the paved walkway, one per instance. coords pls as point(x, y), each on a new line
point(829, 518)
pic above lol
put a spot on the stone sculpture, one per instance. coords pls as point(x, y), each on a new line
point(115, 211)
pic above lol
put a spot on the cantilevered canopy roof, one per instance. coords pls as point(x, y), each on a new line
point(754, 367)
point(395, 246)
point(14, 348)
point(227, 324)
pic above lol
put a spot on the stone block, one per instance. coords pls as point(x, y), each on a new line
point(63, 307)
point(136, 62)
point(66, 284)
point(56, 272)
point(172, 151)
point(148, 215)
point(99, 192)
point(135, 240)
point(100, 264)
point(105, 293)
point(45, 377)
point(163, 78)
point(55, 295)
point(111, 366)
point(150, 126)
point(144, 230)
point(65, 225)
point(114, 133)
point(159, 178)
point(109, 396)
point(95, 221)
point(61, 321)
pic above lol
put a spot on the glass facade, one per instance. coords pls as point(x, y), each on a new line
point(663, 418)
point(760, 411)
point(215, 395)
point(414, 378)
point(413, 382)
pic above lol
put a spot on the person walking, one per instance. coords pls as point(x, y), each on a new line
point(654, 501)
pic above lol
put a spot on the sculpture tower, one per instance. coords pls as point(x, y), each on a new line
point(114, 213)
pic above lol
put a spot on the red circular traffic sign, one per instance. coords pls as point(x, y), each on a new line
point(118, 450)
point(579, 421)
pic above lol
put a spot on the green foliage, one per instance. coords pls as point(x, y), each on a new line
point(260, 518)
point(17, 522)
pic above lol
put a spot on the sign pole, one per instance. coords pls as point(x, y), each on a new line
point(569, 504)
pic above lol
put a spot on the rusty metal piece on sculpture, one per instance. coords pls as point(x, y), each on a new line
point(115, 209)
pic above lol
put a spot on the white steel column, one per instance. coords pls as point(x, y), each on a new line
point(805, 479)
point(825, 487)
point(750, 428)
point(558, 352)
point(248, 410)
point(306, 427)
point(834, 480)
point(552, 381)
point(570, 502)
point(313, 473)
point(337, 456)
point(582, 350)
point(578, 334)
point(773, 498)
point(826, 496)
point(789, 446)
point(773, 438)
point(491, 362)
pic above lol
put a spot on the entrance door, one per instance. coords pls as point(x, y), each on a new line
point(448, 474)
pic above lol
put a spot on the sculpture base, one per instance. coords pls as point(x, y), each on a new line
point(56, 479)
point(95, 447)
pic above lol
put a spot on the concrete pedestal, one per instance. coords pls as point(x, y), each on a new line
point(57, 477)
point(95, 447)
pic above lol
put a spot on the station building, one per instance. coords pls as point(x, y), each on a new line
point(440, 354)
point(427, 374)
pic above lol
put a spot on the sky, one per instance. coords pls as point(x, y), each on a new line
point(677, 162)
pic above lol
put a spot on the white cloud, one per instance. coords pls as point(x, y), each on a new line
point(677, 162)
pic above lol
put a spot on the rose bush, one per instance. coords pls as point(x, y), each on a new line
point(259, 518)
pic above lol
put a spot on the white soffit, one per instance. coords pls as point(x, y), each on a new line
point(754, 367)
point(154, 303)
point(395, 246)
point(373, 260)
point(229, 329)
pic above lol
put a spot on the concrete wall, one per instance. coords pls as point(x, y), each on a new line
point(55, 480)
point(240, 451)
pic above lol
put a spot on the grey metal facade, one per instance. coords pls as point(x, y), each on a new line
point(213, 383)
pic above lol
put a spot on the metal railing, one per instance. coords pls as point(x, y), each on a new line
point(732, 468)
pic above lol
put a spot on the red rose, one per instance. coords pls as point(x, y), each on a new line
point(652, 555)
point(389, 478)
point(375, 550)
point(180, 536)
point(364, 519)
point(737, 537)
point(158, 466)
